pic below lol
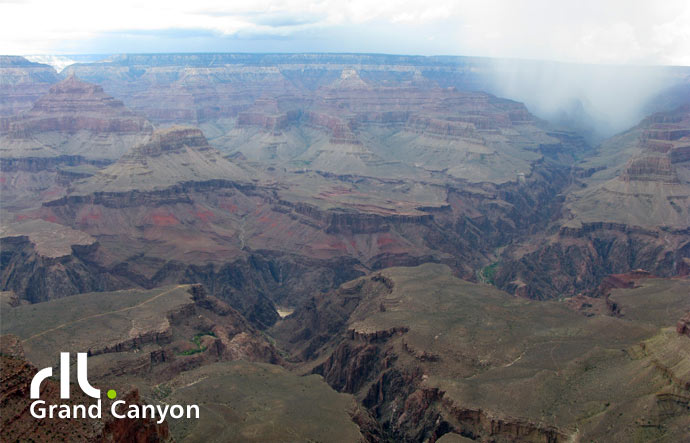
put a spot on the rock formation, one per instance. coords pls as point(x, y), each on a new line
point(22, 83)
point(74, 118)
point(173, 155)
point(429, 354)
point(633, 213)
point(18, 424)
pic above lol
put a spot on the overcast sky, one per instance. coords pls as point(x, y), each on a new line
point(589, 31)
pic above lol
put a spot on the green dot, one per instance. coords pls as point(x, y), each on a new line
point(112, 394)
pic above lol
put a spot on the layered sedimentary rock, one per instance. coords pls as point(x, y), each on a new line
point(73, 118)
point(152, 334)
point(177, 345)
point(657, 166)
point(358, 166)
point(22, 83)
point(215, 230)
point(347, 114)
point(173, 155)
point(193, 88)
point(69, 133)
point(174, 209)
point(429, 354)
point(372, 169)
point(354, 126)
point(631, 212)
point(185, 88)
point(320, 169)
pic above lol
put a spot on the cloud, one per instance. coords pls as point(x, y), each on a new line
point(283, 20)
point(273, 19)
point(174, 33)
point(587, 31)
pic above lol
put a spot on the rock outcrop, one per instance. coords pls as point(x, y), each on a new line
point(650, 168)
point(18, 424)
point(683, 325)
point(173, 155)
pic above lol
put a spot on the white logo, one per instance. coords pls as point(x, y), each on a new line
point(64, 377)
point(39, 408)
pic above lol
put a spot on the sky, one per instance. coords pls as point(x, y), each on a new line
point(585, 31)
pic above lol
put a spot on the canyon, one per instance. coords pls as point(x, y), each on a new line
point(378, 239)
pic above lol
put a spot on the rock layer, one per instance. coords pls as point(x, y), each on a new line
point(73, 118)
point(22, 83)
point(419, 349)
point(633, 213)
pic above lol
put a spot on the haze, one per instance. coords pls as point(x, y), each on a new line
point(588, 32)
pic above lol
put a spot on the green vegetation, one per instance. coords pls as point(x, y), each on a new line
point(197, 341)
point(488, 273)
